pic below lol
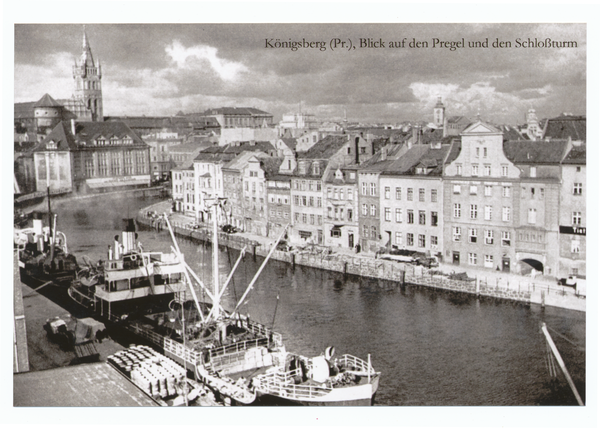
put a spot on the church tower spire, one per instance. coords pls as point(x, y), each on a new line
point(88, 88)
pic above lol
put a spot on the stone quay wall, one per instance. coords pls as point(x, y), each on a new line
point(522, 290)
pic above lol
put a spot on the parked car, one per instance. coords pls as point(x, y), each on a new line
point(283, 246)
point(228, 228)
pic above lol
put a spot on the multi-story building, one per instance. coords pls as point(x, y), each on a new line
point(369, 195)
point(161, 161)
point(256, 206)
point(91, 156)
point(233, 187)
point(411, 199)
point(536, 210)
point(572, 216)
point(481, 201)
point(341, 206)
point(279, 202)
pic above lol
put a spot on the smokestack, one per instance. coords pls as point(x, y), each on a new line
point(356, 157)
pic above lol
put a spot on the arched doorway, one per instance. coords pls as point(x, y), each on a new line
point(527, 265)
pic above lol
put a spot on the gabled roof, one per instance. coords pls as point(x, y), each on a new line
point(419, 156)
point(564, 127)
point(480, 127)
point(576, 156)
point(86, 133)
point(510, 133)
point(290, 142)
point(325, 148)
point(270, 166)
point(535, 152)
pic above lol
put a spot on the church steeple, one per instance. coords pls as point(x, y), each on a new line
point(88, 89)
point(438, 113)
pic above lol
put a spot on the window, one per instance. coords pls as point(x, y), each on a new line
point(349, 214)
point(365, 209)
point(398, 215)
point(398, 193)
point(297, 217)
point(472, 258)
point(409, 194)
point(303, 201)
point(487, 191)
point(434, 241)
point(477, 152)
point(541, 193)
point(296, 199)
point(456, 210)
point(422, 217)
point(473, 236)
point(318, 186)
point(577, 218)
point(373, 210)
point(364, 189)
point(575, 246)
point(372, 189)
point(475, 170)
point(456, 189)
point(422, 241)
point(532, 216)
point(533, 171)
point(387, 192)
point(488, 212)
point(311, 201)
point(473, 212)
point(312, 219)
point(319, 219)
point(489, 237)
point(505, 213)
point(388, 214)
point(456, 233)
point(485, 152)
point(487, 170)
point(350, 195)
point(373, 232)
point(533, 193)
point(473, 190)
point(488, 261)
point(336, 233)
point(329, 193)
point(506, 192)
point(505, 239)
point(458, 169)
point(421, 195)
point(398, 238)
point(410, 239)
point(411, 216)
point(335, 194)
point(577, 189)
point(433, 195)
point(434, 218)
point(329, 212)
point(504, 170)
point(304, 218)
point(365, 231)
point(319, 202)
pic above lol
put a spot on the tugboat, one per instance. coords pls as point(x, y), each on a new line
point(319, 381)
point(43, 252)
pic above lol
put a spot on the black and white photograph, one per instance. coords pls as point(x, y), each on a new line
point(386, 216)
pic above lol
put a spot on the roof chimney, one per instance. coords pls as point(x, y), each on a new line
point(73, 127)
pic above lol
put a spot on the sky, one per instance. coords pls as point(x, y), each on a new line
point(161, 69)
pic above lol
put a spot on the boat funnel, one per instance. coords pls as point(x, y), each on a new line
point(128, 235)
point(117, 255)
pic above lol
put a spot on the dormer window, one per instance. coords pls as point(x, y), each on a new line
point(114, 141)
point(316, 168)
point(101, 141)
point(51, 145)
point(339, 175)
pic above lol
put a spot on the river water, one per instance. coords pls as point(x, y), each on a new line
point(433, 348)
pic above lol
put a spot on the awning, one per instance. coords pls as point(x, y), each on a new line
point(337, 226)
point(304, 234)
point(116, 182)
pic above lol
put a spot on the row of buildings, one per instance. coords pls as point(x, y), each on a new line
point(462, 190)
point(478, 198)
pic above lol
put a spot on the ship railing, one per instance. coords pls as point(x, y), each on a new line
point(283, 385)
point(260, 329)
point(350, 362)
point(238, 347)
point(189, 355)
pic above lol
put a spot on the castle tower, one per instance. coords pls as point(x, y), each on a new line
point(88, 87)
point(533, 126)
point(438, 113)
